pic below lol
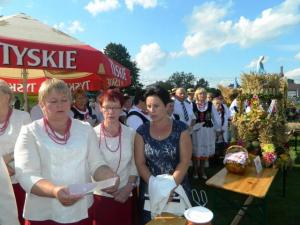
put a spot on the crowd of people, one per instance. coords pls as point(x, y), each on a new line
point(147, 142)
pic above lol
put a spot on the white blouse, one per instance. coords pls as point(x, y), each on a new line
point(8, 207)
point(127, 164)
point(38, 157)
point(8, 139)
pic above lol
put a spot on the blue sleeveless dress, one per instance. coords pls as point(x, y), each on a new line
point(162, 157)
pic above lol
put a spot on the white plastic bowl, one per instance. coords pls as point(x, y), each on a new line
point(198, 215)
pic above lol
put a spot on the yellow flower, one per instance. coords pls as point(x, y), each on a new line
point(268, 148)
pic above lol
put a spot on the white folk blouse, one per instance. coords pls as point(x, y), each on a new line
point(127, 164)
point(8, 139)
point(38, 157)
point(8, 207)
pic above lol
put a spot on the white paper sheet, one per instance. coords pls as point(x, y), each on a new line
point(87, 188)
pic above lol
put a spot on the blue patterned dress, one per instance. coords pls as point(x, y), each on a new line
point(162, 157)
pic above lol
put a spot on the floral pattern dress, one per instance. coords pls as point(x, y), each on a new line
point(162, 156)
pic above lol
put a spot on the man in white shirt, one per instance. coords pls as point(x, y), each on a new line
point(183, 108)
point(136, 115)
point(190, 95)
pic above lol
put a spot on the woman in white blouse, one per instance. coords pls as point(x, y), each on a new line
point(53, 153)
point(116, 143)
point(8, 212)
point(11, 121)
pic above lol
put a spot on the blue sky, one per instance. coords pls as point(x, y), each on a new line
point(214, 40)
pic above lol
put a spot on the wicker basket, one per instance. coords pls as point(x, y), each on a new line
point(235, 167)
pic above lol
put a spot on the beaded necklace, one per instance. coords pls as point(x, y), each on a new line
point(6, 122)
point(106, 134)
point(52, 134)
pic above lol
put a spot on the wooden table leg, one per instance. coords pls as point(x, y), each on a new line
point(241, 212)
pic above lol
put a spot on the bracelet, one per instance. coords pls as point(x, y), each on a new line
point(133, 184)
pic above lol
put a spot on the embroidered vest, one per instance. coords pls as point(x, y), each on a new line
point(204, 116)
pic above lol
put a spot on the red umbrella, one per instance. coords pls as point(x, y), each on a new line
point(31, 52)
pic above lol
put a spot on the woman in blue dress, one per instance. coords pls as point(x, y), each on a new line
point(162, 146)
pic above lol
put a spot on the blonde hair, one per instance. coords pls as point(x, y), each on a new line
point(5, 89)
point(53, 84)
point(199, 91)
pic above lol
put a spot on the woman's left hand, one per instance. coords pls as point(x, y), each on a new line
point(123, 193)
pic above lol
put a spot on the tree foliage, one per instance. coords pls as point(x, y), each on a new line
point(185, 80)
point(181, 79)
point(120, 54)
point(202, 83)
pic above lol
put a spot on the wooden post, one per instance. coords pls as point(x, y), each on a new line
point(25, 97)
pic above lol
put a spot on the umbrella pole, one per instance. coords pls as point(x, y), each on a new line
point(25, 76)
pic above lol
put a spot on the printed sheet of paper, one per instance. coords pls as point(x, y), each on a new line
point(83, 189)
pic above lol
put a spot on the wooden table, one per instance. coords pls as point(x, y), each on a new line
point(167, 219)
point(250, 183)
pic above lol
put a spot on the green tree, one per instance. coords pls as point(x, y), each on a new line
point(202, 83)
point(164, 84)
point(120, 54)
point(181, 79)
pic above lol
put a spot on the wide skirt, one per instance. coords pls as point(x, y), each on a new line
point(204, 139)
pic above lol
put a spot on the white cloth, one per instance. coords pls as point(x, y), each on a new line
point(127, 164)
point(38, 157)
point(238, 157)
point(178, 109)
point(134, 121)
point(160, 188)
point(8, 139)
point(204, 138)
point(8, 207)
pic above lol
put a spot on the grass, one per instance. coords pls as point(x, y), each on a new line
point(280, 210)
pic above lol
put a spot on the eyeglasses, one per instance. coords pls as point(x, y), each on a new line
point(106, 108)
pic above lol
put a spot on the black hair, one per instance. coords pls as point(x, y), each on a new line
point(139, 96)
point(160, 92)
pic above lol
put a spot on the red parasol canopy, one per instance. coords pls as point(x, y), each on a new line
point(31, 52)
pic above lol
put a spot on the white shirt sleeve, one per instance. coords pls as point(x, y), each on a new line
point(134, 122)
point(27, 160)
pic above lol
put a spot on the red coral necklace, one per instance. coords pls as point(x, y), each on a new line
point(6, 122)
point(119, 146)
point(52, 134)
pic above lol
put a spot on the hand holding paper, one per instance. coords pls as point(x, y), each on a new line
point(83, 189)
